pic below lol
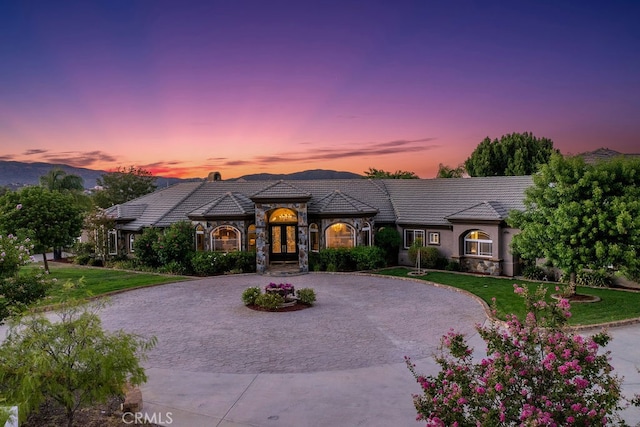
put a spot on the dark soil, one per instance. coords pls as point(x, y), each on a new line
point(51, 414)
point(296, 307)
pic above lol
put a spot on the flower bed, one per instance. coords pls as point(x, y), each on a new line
point(278, 297)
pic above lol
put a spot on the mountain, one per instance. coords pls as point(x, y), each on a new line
point(18, 174)
point(314, 174)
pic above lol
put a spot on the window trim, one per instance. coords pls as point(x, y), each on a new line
point(479, 242)
point(226, 227)
point(352, 234)
point(112, 248)
point(434, 238)
point(413, 232)
point(314, 229)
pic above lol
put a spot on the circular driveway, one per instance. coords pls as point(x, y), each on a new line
point(358, 321)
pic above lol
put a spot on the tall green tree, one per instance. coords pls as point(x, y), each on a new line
point(512, 154)
point(581, 216)
point(123, 185)
point(50, 218)
point(57, 179)
point(72, 361)
point(445, 171)
point(373, 173)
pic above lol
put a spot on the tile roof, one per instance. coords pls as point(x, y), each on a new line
point(484, 211)
point(229, 204)
point(431, 201)
point(281, 190)
point(402, 201)
point(339, 203)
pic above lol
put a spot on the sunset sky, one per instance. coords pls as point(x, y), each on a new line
point(182, 88)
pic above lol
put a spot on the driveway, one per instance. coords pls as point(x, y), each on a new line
point(338, 363)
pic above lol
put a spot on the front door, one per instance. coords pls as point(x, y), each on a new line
point(284, 245)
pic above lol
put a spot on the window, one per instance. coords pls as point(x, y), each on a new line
point(314, 238)
point(434, 238)
point(365, 234)
point(199, 237)
point(411, 236)
point(340, 235)
point(132, 238)
point(113, 242)
point(478, 243)
point(251, 235)
point(225, 238)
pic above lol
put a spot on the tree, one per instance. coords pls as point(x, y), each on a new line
point(581, 216)
point(49, 218)
point(123, 185)
point(513, 154)
point(373, 173)
point(445, 171)
point(58, 180)
point(73, 361)
point(535, 374)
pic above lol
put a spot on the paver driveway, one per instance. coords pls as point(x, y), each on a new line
point(337, 363)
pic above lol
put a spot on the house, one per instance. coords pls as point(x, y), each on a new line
point(283, 221)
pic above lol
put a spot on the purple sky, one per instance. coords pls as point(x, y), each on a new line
point(183, 88)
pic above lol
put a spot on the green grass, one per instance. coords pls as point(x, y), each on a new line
point(615, 305)
point(100, 281)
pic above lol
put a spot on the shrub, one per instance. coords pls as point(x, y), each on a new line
point(269, 301)
point(174, 267)
point(82, 259)
point(175, 246)
point(535, 373)
point(368, 257)
point(14, 252)
point(430, 256)
point(389, 240)
point(211, 263)
point(250, 295)
point(453, 265)
point(594, 278)
point(145, 247)
point(306, 296)
point(534, 272)
point(243, 262)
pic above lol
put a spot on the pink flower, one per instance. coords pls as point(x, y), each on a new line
point(19, 206)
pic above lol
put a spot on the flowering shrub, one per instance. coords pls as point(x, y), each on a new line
point(269, 301)
point(250, 294)
point(535, 373)
point(14, 252)
point(282, 289)
point(306, 296)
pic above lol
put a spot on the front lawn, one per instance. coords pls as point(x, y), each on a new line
point(100, 281)
point(615, 304)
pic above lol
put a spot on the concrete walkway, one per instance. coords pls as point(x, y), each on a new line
point(339, 363)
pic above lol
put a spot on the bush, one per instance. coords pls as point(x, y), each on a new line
point(145, 247)
point(368, 257)
point(214, 263)
point(175, 246)
point(534, 272)
point(430, 256)
point(453, 265)
point(598, 279)
point(19, 291)
point(250, 295)
point(306, 296)
point(389, 240)
point(269, 301)
point(82, 259)
point(535, 373)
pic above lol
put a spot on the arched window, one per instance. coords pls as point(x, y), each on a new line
point(340, 235)
point(199, 237)
point(314, 238)
point(225, 238)
point(251, 235)
point(478, 243)
point(365, 234)
point(283, 215)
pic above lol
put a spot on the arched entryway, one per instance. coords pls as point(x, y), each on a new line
point(283, 232)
